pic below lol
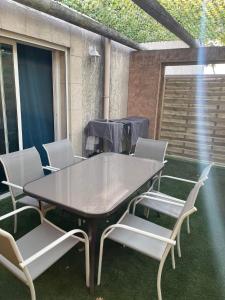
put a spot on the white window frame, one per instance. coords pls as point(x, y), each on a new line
point(17, 91)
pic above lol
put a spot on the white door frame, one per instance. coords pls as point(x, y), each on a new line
point(17, 88)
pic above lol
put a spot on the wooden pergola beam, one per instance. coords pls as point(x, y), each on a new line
point(72, 16)
point(161, 15)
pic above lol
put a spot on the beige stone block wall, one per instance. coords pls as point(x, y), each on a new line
point(120, 57)
point(12, 17)
point(85, 74)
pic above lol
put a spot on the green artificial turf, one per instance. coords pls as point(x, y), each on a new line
point(128, 275)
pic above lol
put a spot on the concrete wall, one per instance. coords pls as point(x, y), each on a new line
point(147, 74)
point(85, 74)
point(164, 45)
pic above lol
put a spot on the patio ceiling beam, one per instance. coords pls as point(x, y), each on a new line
point(72, 16)
point(161, 15)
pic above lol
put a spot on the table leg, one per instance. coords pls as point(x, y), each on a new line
point(92, 233)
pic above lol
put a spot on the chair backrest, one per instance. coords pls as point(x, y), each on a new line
point(60, 154)
point(9, 249)
point(205, 172)
point(188, 206)
point(22, 167)
point(151, 149)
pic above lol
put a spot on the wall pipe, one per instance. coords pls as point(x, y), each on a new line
point(107, 78)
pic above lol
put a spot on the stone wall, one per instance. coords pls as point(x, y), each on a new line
point(147, 74)
point(119, 81)
point(86, 74)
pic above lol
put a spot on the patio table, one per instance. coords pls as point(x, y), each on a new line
point(94, 189)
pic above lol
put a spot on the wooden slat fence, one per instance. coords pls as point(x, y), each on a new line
point(180, 116)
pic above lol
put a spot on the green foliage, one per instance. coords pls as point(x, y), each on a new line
point(128, 19)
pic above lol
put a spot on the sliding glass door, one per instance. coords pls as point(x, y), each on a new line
point(9, 127)
point(9, 139)
point(26, 99)
point(36, 97)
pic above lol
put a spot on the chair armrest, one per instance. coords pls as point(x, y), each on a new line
point(165, 162)
point(166, 196)
point(54, 244)
point(179, 179)
point(134, 200)
point(81, 157)
point(162, 200)
point(12, 185)
point(19, 210)
point(142, 232)
point(49, 168)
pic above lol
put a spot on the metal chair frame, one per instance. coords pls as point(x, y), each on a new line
point(22, 265)
point(172, 201)
point(14, 199)
point(171, 242)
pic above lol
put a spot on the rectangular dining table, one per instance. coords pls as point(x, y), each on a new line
point(94, 189)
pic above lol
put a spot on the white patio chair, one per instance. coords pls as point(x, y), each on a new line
point(32, 254)
point(167, 204)
point(151, 149)
point(146, 237)
point(60, 154)
point(20, 168)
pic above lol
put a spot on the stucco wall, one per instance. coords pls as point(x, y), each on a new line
point(86, 75)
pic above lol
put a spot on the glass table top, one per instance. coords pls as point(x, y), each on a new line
point(96, 186)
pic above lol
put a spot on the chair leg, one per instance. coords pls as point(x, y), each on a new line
point(134, 208)
point(100, 260)
point(15, 217)
point(188, 225)
point(159, 181)
point(32, 292)
point(87, 264)
point(178, 243)
point(44, 211)
point(146, 212)
point(30, 284)
point(173, 258)
point(159, 279)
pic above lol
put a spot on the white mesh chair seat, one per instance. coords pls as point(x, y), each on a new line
point(34, 241)
point(148, 246)
point(37, 239)
point(169, 205)
point(168, 208)
point(27, 200)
